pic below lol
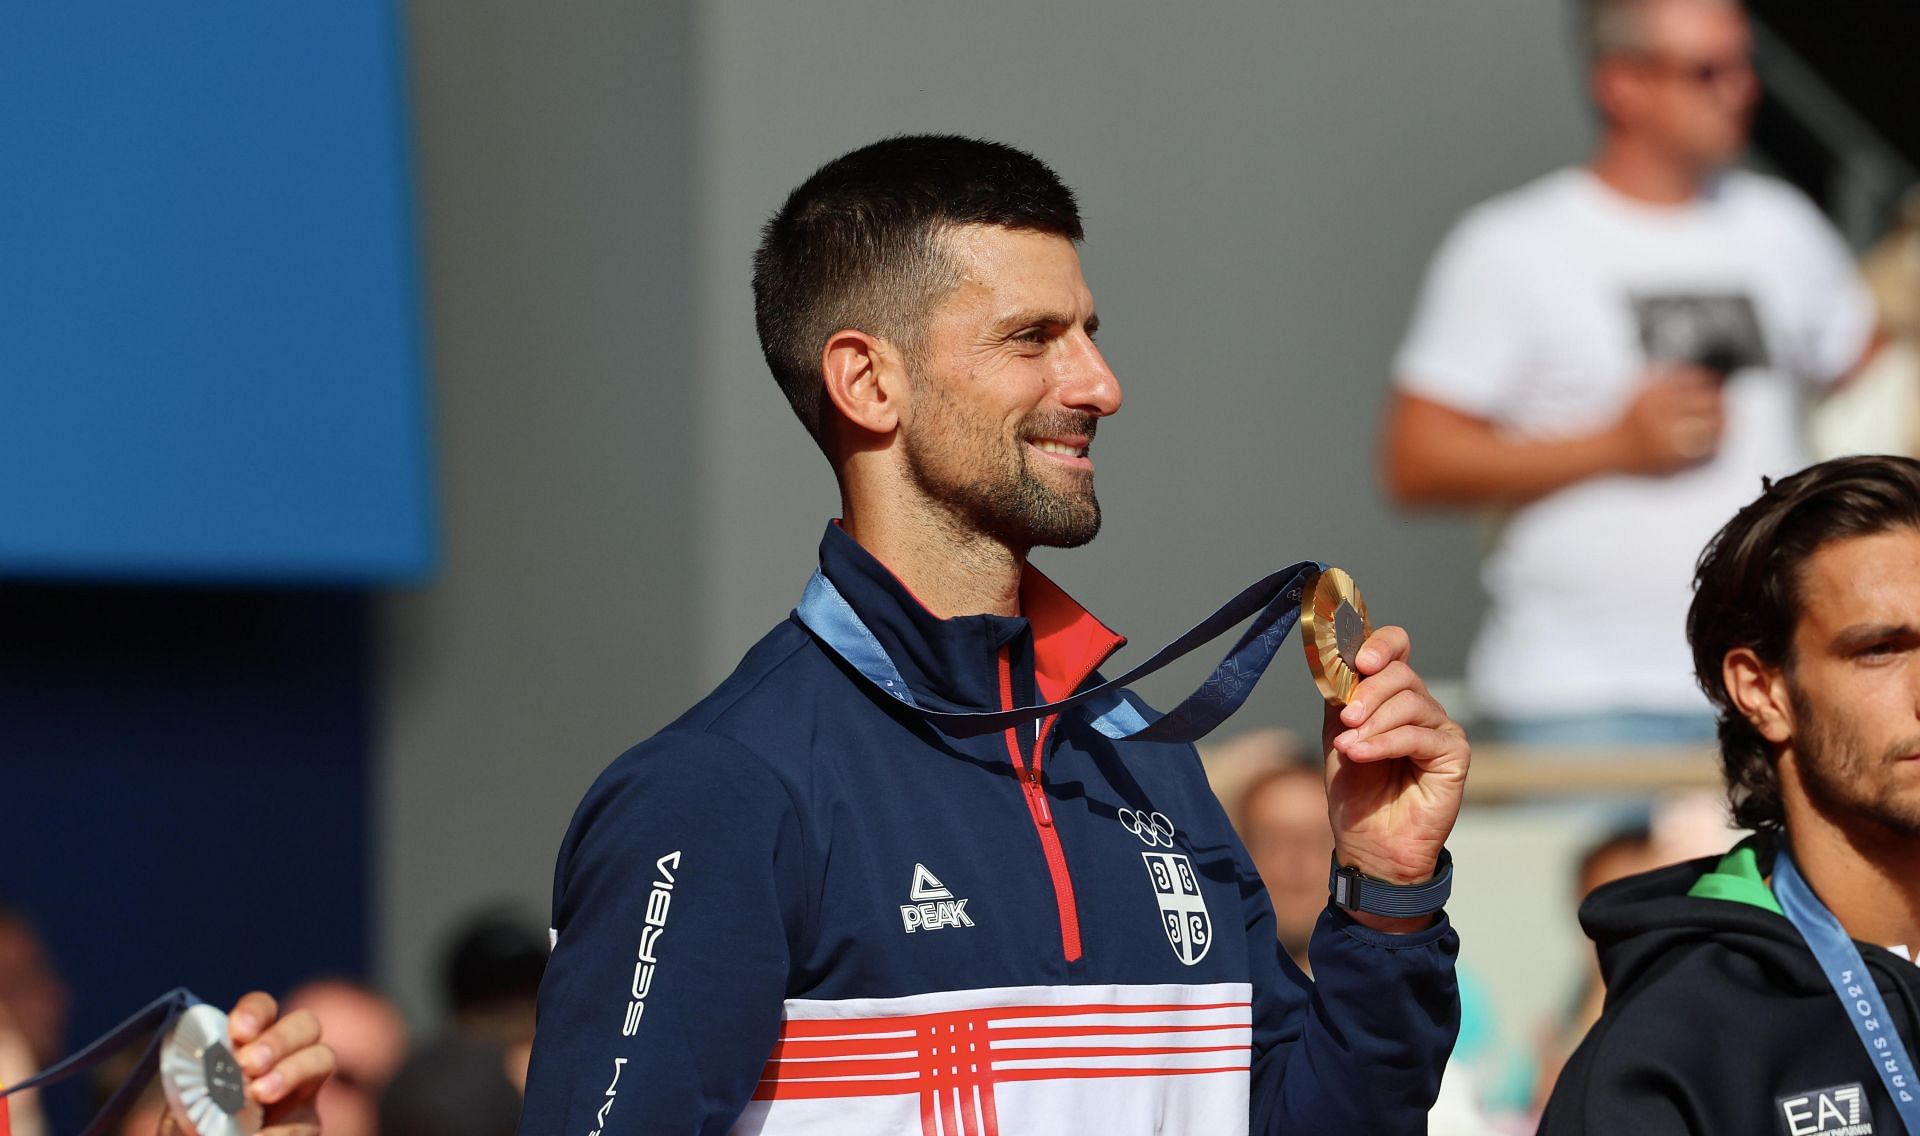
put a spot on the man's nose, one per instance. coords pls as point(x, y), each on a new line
point(1089, 385)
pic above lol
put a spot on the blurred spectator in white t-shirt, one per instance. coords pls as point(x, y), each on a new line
point(1612, 357)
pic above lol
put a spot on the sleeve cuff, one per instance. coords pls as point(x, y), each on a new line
point(1336, 920)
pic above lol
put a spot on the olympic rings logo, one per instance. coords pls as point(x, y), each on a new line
point(1154, 828)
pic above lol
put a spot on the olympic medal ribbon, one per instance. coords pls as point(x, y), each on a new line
point(1859, 995)
point(150, 1026)
point(1272, 602)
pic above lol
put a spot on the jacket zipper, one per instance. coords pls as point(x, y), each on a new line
point(1035, 792)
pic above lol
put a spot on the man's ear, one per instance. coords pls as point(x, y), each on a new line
point(1759, 692)
point(864, 380)
point(1613, 85)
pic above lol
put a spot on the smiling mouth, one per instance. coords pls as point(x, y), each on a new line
point(1062, 449)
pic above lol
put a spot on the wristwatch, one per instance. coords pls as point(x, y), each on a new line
point(1356, 892)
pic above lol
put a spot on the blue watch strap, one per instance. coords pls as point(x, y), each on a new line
point(1357, 892)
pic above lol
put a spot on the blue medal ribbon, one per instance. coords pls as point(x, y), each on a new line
point(149, 1025)
point(1833, 948)
point(1273, 602)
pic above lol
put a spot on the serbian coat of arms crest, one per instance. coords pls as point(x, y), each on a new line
point(1183, 910)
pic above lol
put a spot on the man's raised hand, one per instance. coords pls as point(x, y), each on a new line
point(1396, 771)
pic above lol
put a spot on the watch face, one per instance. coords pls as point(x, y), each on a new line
point(1342, 887)
point(206, 1092)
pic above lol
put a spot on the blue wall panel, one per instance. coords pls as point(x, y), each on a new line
point(210, 362)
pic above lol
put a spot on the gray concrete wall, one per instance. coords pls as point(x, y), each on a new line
point(629, 503)
point(556, 154)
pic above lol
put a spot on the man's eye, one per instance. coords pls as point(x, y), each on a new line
point(1033, 335)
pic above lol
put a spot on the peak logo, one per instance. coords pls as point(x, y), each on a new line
point(659, 900)
point(933, 905)
point(1837, 1111)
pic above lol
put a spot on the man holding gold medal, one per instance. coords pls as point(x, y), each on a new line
point(915, 866)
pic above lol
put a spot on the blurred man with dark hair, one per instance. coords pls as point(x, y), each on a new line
point(1611, 357)
point(807, 907)
point(468, 1081)
point(491, 971)
point(1772, 990)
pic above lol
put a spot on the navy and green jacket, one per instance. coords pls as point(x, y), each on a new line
point(802, 909)
point(1718, 1019)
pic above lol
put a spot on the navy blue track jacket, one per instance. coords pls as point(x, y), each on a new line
point(802, 909)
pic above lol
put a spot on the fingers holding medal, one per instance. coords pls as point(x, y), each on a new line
point(1396, 763)
point(257, 1072)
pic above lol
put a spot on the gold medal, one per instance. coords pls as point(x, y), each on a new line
point(1333, 626)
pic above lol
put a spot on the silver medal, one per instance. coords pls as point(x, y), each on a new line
point(205, 1089)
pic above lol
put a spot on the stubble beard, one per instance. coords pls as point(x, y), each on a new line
point(1842, 779)
point(987, 488)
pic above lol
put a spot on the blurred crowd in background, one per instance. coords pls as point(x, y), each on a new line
point(1274, 787)
point(1602, 363)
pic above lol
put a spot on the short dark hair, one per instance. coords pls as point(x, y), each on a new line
point(859, 245)
point(1630, 838)
point(494, 959)
point(1747, 594)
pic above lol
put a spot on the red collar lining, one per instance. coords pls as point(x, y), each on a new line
point(1069, 644)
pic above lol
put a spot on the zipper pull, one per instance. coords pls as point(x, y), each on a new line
point(1037, 800)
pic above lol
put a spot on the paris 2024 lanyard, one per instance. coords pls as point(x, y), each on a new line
point(1853, 984)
